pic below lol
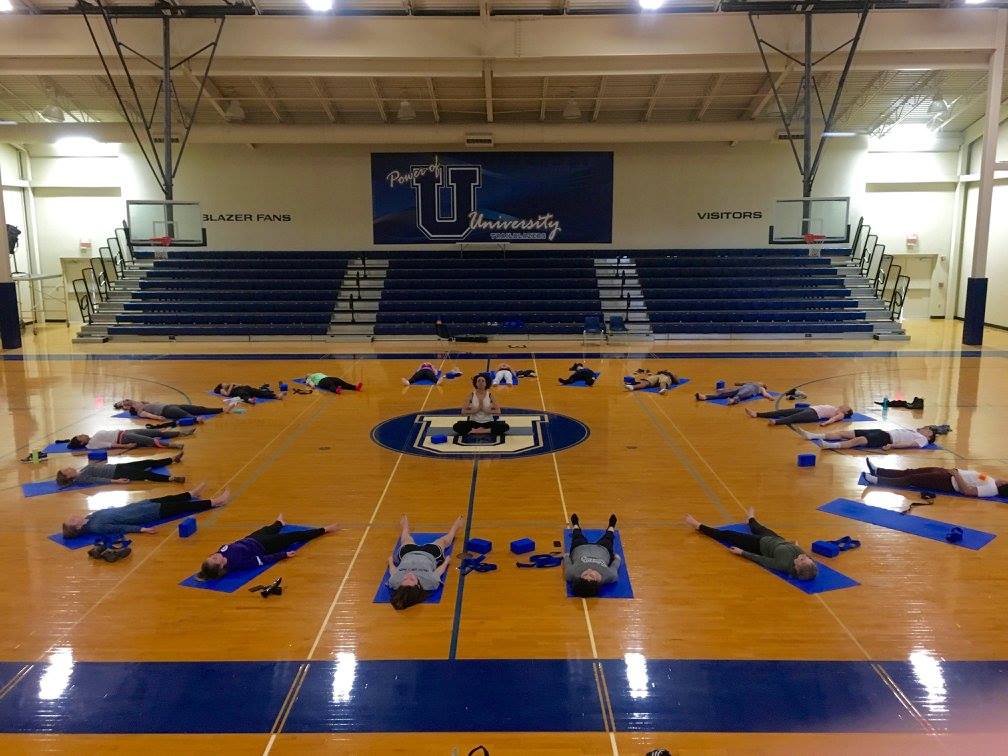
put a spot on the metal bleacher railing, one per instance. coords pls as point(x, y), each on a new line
point(95, 283)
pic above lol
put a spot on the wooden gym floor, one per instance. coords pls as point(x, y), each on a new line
point(712, 654)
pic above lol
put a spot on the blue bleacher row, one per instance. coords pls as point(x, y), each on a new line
point(199, 292)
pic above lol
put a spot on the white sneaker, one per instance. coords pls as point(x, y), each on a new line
point(628, 386)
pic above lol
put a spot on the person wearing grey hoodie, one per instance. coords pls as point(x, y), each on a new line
point(589, 566)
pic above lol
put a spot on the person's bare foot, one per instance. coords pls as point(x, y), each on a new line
point(750, 412)
point(178, 457)
point(197, 491)
point(772, 423)
point(187, 431)
point(280, 519)
point(404, 522)
point(459, 521)
point(750, 513)
point(405, 382)
point(221, 499)
point(332, 528)
point(692, 521)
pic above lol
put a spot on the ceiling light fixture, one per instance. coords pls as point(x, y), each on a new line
point(53, 113)
point(234, 111)
point(406, 111)
point(571, 110)
point(651, 4)
point(938, 106)
point(320, 6)
point(6, 6)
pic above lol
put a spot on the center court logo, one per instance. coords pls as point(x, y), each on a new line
point(532, 433)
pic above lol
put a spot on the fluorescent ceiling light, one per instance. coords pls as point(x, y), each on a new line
point(82, 146)
point(6, 6)
point(320, 6)
point(651, 4)
point(975, 2)
point(840, 134)
point(907, 137)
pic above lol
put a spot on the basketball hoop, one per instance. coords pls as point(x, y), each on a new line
point(162, 241)
point(815, 243)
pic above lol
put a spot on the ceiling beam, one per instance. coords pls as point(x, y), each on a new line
point(488, 90)
point(598, 99)
point(433, 100)
point(379, 102)
point(210, 91)
point(963, 102)
point(265, 89)
point(906, 103)
point(765, 93)
point(326, 99)
point(879, 83)
point(712, 89)
point(653, 99)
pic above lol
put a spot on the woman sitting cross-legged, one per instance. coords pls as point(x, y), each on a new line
point(589, 566)
point(874, 438)
point(127, 439)
point(261, 547)
point(663, 380)
point(939, 479)
point(415, 571)
point(138, 516)
point(246, 393)
point(425, 372)
point(824, 414)
point(123, 472)
point(740, 393)
point(762, 546)
point(480, 409)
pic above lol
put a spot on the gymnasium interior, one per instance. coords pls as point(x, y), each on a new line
point(503, 376)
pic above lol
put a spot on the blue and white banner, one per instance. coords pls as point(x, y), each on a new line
point(518, 197)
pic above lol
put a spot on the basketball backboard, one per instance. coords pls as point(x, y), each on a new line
point(825, 216)
point(152, 222)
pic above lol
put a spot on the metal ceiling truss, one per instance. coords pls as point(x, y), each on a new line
point(164, 166)
point(808, 164)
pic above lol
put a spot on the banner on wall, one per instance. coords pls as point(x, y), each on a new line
point(516, 197)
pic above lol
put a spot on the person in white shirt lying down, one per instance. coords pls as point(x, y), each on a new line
point(939, 480)
point(127, 439)
point(874, 438)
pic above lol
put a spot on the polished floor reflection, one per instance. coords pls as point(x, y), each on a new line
point(711, 649)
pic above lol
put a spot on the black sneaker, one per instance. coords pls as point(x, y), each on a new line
point(612, 521)
point(871, 466)
point(574, 520)
point(115, 553)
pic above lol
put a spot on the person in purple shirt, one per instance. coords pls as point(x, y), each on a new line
point(263, 547)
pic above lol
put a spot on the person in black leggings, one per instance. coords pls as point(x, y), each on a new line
point(824, 414)
point(425, 372)
point(578, 372)
point(157, 411)
point(139, 516)
point(246, 393)
point(124, 472)
point(258, 549)
point(763, 546)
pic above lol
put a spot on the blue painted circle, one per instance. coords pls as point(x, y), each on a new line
point(532, 433)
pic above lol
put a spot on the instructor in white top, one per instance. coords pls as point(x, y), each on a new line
point(481, 412)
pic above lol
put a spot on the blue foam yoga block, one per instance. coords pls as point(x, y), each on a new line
point(440, 438)
point(186, 421)
point(522, 546)
point(719, 385)
point(479, 545)
point(187, 527)
point(629, 379)
point(806, 460)
point(801, 405)
point(825, 548)
point(98, 455)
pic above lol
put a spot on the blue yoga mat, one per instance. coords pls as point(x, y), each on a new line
point(930, 447)
point(232, 581)
point(579, 384)
point(621, 589)
point(57, 449)
point(128, 416)
point(87, 540)
point(425, 382)
point(857, 417)
point(43, 487)
point(654, 389)
point(999, 499)
point(384, 593)
point(724, 402)
point(827, 579)
point(924, 527)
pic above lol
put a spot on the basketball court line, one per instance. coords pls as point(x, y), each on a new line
point(299, 679)
point(904, 700)
point(266, 464)
point(600, 684)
